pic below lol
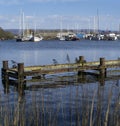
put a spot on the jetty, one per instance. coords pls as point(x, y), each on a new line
point(20, 74)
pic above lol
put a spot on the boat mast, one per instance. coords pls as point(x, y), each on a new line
point(119, 28)
point(20, 24)
point(23, 26)
point(97, 21)
point(94, 24)
point(61, 25)
point(35, 28)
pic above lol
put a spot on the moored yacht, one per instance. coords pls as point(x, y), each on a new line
point(62, 38)
point(36, 38)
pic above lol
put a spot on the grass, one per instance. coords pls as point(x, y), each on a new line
point(80, 105)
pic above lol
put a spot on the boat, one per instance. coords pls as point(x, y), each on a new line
point(62, 38)
point(24, 34)
point(36, 39)
point(19, 39)
point(67, 38)
point(61, 35)
point(24, 38)
point(71, 37)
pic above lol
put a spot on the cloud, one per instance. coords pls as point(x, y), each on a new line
point(54, 22)
point(17, 2)
point(54, 0)
point(10, 2)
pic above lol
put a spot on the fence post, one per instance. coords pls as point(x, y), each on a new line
point(20, 77)
point(102, 70)
point(81, 74)
point(81, 60)
point(5, 77)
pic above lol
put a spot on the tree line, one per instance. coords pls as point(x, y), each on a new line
point(5, 35)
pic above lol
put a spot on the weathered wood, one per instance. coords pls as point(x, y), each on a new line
point(21, 80)
point(81, 66)
point(81, 58)
point(102, 61)
point(87, 65)
point(102, 71)
point(20, 73)
point(13, 75)
point(5, 65)
point(5, 77)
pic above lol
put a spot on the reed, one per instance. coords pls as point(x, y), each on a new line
point(79, 105)
point(91, 112)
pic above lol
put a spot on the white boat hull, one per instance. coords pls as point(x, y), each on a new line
point(36, 39)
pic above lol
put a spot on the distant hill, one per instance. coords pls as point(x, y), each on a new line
point(13, 31)
point(4, 34)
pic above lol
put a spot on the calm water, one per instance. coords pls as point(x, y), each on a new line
point(43, 52)
point(63, 105)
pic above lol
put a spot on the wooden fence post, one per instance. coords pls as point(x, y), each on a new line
point(5, 64)
point(5, 77)
point(102, 61)
point(20, 77)
point(81, 58)
point(102, 71)
point(81, 74)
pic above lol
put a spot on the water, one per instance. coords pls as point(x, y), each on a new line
point(69, 104)
point(44, 51)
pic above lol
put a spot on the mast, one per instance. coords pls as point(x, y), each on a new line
point(97, 21)
point(23, 25)
point(119, 28)
point(94, 24)
point(61, 26)
point(20, 24)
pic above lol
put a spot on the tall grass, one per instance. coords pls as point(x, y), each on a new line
point(80, 105)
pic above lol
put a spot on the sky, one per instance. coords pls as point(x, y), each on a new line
point(57, 14)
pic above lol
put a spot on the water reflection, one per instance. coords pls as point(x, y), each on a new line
point(71, 104)
point(44, 52)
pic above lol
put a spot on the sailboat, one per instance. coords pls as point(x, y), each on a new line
point(22, 35)
point(21, 25)
point(36, 38)
point(61, 37)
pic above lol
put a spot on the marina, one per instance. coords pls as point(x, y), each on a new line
point(59, 63)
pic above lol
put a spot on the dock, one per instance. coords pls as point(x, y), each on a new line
point(20, 74)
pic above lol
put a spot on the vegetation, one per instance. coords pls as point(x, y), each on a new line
point(68, 100)
point(79, 105)
point(4, 35)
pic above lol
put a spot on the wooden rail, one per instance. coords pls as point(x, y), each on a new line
point(81, 66)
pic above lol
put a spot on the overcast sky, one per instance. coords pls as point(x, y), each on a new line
point(50, 14)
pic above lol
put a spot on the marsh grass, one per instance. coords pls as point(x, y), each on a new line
point(80, 105)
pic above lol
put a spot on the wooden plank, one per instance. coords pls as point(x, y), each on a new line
point(13, 75)
point(52, 69)
point(69, 65)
